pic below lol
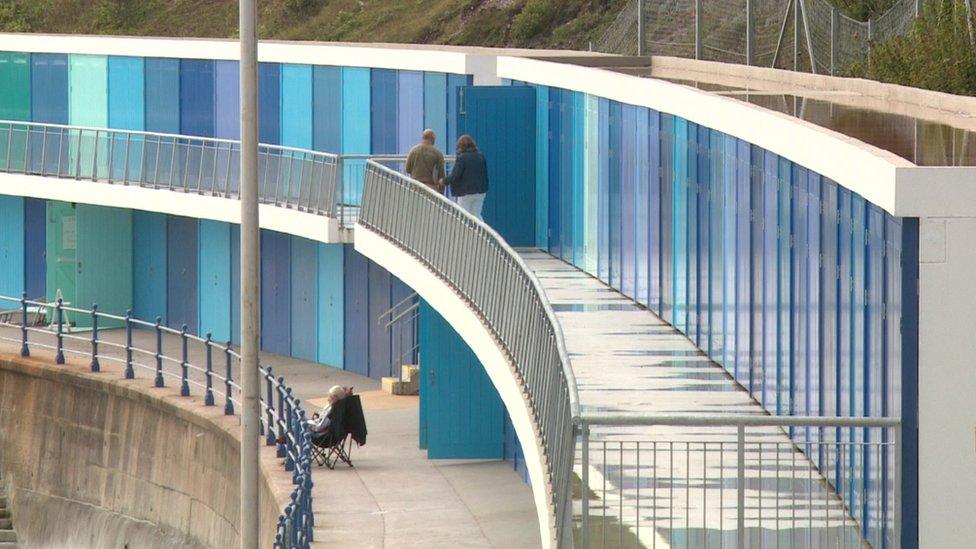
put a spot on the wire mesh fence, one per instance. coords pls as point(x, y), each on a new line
point(806, 35)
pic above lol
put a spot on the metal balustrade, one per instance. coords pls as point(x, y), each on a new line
point(725, 480)
point(485, 271)
point(173, 356)
point(289, 177)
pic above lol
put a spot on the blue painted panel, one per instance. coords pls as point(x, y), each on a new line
point(126, 93)
point(162, 95)
point(410, 109)
point(799, 368)
point(829, 303)
point(642, 215)
point(730, 252)
point(455, 381)
point(378, 362)
point(667, 217)
point(874, 375)
point(680, 225)
point(743, 264)
point(513, 450)
point(330, 304)
point(35, 247)
point(275, 292)
point(614, 181)
point(555, 171)
point(784, 393)
point(149, 232)
point(383, 111)
point(628, 190)
point(655, 168)
point(577, 155)
point(542, 166)
point(181, 272)
point(49, 88)
point(304, 298)
point(356, 299)
point(227, 100)
point(269, 103)
point(770, 289)
point(813, 295)
point(235, 283)
point(12, 240)
point(501, 120)
point(296, 106)
point(714, 199)
point(698, 235)
point(327, 94)
point(603, 190)
point(454, 82)
point(435, 107)
point(197, 97)
point(757, 197)
point(356, 124)
point(215, 290)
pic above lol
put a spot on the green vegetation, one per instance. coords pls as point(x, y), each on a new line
point(862, 10)
point(938, 54)
point(527, 23)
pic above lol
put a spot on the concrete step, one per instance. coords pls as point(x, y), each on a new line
point(8, 535)
point(6, 524)
point(9, 545)
point(4, 513)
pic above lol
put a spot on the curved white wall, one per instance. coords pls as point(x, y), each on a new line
point(469, 326)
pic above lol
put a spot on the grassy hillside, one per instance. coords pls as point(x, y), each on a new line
point(531, 23)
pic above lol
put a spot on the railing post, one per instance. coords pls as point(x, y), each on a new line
point(208, 399)
point(698, 28)
point(833, 39)
point(159, 352)
point(748, 32)
point(282, 450)
point(300, 441)
point(228, 403)
point(77, 156)
point(59, 314)
point(289, 430)
point(185, 387)
point(270, 435)
point(94, 175)
point(95, 367)
point(129, 371)
point(24, 349)
point(640, 28)
point(585, 486)
point(740, 486)
point(897, 519)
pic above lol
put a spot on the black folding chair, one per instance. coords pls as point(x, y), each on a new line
point(346, 425)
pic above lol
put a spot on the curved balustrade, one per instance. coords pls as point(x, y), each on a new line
point(295, 178)
point(121, 339)
point(492, 278)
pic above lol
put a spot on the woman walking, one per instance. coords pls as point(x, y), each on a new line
point(469, 177)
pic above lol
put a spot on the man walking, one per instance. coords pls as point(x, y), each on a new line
point(425, 163)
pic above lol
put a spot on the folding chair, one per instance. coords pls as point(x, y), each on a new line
point(346, 425)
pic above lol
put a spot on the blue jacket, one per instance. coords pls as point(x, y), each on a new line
point(469, 174)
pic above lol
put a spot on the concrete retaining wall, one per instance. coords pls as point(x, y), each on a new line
point(91, 460)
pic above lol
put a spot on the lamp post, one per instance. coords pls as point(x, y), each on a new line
point(250, 276)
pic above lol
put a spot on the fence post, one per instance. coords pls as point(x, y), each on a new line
point(24, 349)
point(95, 367)
point(269, 377)
point(129, 371)
point(185, 387)
point(585, 487)
point(228, 403)
point(896, 521)
point(282, 433)
point(159, 352)
point(740, 486)
point(833, 40)
point(748, 32)
point(59, 315)
point(289, 427)
point(208, 399)
point(698, 36)
point(640, 28)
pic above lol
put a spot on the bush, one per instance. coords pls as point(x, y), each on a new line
point(532, 20)
point(938, 54)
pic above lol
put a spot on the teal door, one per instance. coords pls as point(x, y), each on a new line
point(501, 119)
point(461, 414)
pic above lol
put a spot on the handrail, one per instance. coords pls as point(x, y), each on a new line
point(283, 425)
point(725, 420)
point(513, 306)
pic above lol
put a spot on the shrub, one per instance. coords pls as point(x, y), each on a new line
point(532, 20)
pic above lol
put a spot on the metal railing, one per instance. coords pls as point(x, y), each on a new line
point(351, 180)
point(175, 356)
point(485, 271)
point(806, 35)
point(293, 178)
point(739, 481)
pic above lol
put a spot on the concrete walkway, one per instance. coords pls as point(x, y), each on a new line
point(394, 496)
point(663, 486)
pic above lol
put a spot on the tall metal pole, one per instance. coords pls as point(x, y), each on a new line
point(250, 277)
point(698, 29)
point(640, 28)
point(748, 32)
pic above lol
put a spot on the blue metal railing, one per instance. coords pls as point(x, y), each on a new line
point(283, 424)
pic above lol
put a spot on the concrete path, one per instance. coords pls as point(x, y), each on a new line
point(672, 486)
point(394, 496)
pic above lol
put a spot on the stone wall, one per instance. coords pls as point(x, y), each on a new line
point(92, 460)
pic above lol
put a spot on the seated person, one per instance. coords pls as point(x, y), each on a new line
point(320, 421)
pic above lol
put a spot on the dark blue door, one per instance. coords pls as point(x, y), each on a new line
point(502, 122)
point(181, 272)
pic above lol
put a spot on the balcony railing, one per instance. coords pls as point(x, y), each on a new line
point(200, 365)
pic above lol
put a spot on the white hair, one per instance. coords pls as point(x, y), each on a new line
point(337, 392)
